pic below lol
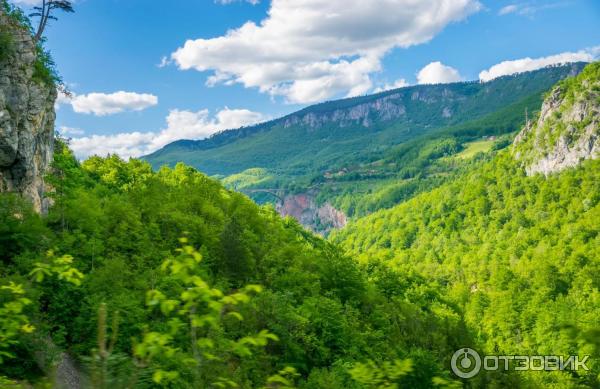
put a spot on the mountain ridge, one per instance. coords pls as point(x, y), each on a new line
point(363, 113)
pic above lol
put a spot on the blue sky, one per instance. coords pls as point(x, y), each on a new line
point(249, 60)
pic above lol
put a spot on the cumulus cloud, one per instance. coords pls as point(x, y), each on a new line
point(181, 124)
point(527, 64)
point(310, 50)
point(101, 104)
point(399, 83)
point(438, 73)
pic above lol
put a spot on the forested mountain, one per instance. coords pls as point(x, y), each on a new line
point(121, 224)
point(333, 134)
point(338, 160)
point(142, 278)
point(518, 255)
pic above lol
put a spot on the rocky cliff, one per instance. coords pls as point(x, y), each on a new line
point(26, 114)
point(318, 218)
point(386, 108)
point(568, 128)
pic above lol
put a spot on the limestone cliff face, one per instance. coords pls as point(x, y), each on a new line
point(26, 117)
point(568, 129)
point(386, 108)
point(303, 207)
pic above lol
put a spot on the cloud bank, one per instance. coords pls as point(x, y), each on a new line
point(101, 104)
point(527, 64)
point(181, 124)
point(310, 50)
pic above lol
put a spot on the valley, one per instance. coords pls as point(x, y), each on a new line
point(367, 242)
point(363, 154)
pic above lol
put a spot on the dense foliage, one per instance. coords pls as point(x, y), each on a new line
point(120, 220)
point(518, 256)
point(142, 278)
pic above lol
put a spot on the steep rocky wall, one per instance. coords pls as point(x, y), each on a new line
point(303, 207)
point(26, 117)
point(568, 129)
point(385, 108)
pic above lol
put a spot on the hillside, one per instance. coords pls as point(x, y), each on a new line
point(115, 231)
point(335, 161)
point(518, 255)
point(332, 134)
point(182, 283)
point(450, 217)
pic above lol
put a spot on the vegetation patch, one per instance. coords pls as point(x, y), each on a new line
point(474, 148)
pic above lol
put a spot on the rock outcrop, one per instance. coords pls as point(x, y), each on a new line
point(568, 129)
point(385, 108)
point(26, 116)
point(318, 218)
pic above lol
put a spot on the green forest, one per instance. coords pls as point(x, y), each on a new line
point(268, 296)
point(142, 276)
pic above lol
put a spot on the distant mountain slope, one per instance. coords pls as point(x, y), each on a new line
point(337, 132)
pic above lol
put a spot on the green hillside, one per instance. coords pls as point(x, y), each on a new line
point(115, 231)
point(518, 255)
point(342, 132)
point(182, 283)
point(471, 219)
point(376, 160)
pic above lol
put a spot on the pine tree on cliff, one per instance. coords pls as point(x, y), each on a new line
point(44, 12)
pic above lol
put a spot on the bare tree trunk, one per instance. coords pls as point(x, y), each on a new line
point(43, 21)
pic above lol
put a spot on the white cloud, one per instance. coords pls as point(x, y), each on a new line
point(180, 125)
point(399, 83)
point(101, 104)
point(310, 50)
point(130, 144)
point(69, 131)
point(527, 64)
point(438, 73)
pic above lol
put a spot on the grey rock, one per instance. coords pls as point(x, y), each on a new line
point(384, 109)
point(304, 208)
point(26, 120)
point(575, 126)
